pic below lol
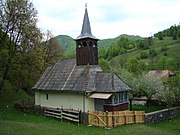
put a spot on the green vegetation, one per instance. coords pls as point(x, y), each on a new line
point(166, 48)
point(173, 31)
point(25, 52)
point(42, 126)
point(148, 109)
point(68, 45)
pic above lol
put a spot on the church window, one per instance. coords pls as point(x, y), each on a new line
point(90, 44)
point(79, 45)
point(84, 44)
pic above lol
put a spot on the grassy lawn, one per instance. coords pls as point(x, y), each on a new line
point(14, 122)
point(38, 125)
point(151, 108)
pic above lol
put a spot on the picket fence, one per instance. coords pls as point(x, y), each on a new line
point(116, 118)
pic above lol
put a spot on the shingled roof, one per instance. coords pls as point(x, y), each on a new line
point(66, 76)
point(86, 28)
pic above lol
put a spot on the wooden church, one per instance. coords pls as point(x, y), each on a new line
point(80, 83)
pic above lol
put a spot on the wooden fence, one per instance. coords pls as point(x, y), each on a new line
point(116, 118)
point(67, 114)
point(25, 103)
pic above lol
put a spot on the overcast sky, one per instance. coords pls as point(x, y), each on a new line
point(108, 18)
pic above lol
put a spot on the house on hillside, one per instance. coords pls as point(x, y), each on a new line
point(80, 83)
point(155, 74)
point(160, 73)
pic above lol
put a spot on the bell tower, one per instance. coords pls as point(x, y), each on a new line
point(86, 44)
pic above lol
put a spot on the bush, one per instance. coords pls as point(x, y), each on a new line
point(143, 55)
point(164, 48)
point(152, 52)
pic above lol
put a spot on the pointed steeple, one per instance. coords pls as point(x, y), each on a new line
point(86, 44)
point(86, 28)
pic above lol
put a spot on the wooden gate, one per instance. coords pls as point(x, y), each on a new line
point(116, 118)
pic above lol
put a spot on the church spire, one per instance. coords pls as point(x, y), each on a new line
point(86, 44)
point(86, 28)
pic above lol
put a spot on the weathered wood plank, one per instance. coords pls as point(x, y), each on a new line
point(116, 118)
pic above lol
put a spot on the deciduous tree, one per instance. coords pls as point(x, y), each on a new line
point(18, 20)
point(52, 50)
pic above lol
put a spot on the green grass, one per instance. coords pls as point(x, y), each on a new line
point(151, 108)
point(15, 122)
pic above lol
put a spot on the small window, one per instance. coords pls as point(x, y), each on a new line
point(84, 44)
point(120, 97)
point(109, 100)
point(46, 96)
point(125, 96)
point(115, 99)
point(90, 44)
point(94, 44)
point(79, 45)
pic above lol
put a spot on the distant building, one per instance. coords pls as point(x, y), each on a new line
point(80, 83)
point(160, 73)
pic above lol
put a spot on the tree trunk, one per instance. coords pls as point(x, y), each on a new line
point(130, 103)
point(148, 102)
point(4, 77)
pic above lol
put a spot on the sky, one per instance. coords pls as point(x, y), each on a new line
point(108, 18)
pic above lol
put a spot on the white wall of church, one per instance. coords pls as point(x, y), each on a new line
point(66, 100)
point(37, 98)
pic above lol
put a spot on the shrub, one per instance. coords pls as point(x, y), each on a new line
point(143, 55)
point(152, 52)
point(164, 48)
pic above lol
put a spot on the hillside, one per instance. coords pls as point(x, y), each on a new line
point(166, 51)
point(112, 41)
point(69, 44)
point(166, 55)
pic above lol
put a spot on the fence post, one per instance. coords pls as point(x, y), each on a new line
point(124, 117)
point(113, 120)
point(107, 119)
point(97, 118)
point(42, 110)
point(134, 116)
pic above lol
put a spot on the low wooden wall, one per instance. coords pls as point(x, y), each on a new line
point(67, 114)
point(120, 107)
point(25, 105)
point(116, 118)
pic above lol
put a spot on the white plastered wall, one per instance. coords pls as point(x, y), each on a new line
point(74, 101)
